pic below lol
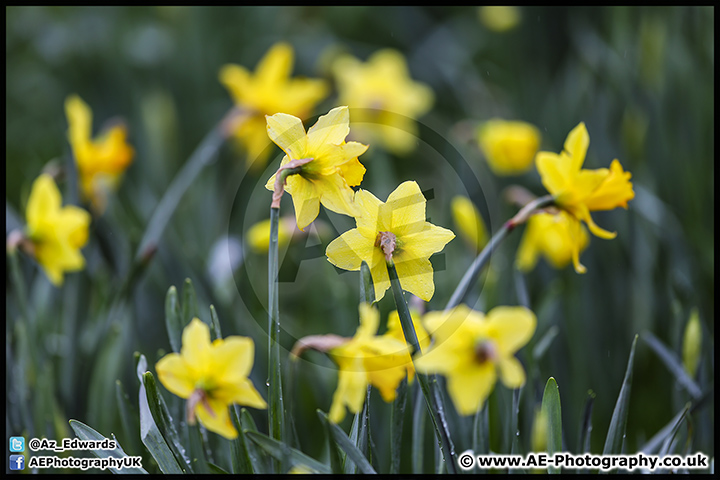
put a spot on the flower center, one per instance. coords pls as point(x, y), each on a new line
point(387, 242)
point(485, 351)
point(198, 396)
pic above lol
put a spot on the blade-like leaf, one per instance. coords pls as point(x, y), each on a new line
point(367, 290)
point(359, 435)
point(544, 343)
point(129, 418)
point(189, 307)
point(344, 443)
point(659, 438)
point(215, 323)
point(397, 417)
point(551, 407)
point(85, 432)
point(673, 363)
point(418, 432)
point(616, 432)
point(173, 322)
point(279, 451)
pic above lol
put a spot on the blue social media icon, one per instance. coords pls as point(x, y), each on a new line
point(17, 444)
point(17, 462)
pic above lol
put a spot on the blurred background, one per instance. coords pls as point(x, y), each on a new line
point(642, 80)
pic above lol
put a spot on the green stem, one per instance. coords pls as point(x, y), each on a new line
point(276, 410)
point(473, 272)
point(429, 389)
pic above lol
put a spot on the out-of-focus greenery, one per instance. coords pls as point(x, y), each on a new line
point(641, 78)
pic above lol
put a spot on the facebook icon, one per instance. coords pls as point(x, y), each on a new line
point(17, 462)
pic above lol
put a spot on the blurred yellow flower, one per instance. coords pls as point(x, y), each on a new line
point(395, 229)
point(471, 349)
point(469, 222)
point(394, 330)
point(211, 376)
point(692, 344)
point(268, 91)
point(499, 18)
point(558, 237)
point(387, 100)
point(258, 236)
point(100, 161)
point(57, 233)
point(367, 359)
point(509, 147)
point(580, 191)
point(334, 167)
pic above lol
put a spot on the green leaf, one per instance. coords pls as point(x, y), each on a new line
point(189, 306)
point(672, 362)
point(156, 430)
point(85, 432)
point(344, 443)
point(367, 289)
point(279, 451)
point(215, 323)
point(551, 407)
point(397, 417)
point(418, 432)
point(544, 343)
point(129, 418)
point(215, 469)
point(616, 432)
point(336, 463)
point(583, 445)
point(666, 432)
point(173, 322)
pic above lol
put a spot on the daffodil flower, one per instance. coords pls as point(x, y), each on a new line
point(394, 230)
point(472, 349)
point(211, 376)
point(555, 236)
point(56, 233)
point(387, 100)
point(394, 330)
point(268, 91)
point(509, 147)
point(100, 161)
point(469, 222)
point(367, 359)
point(333, 165)
point(580, 191)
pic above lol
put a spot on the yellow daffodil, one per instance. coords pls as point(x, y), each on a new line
point(469, 222)
point(100, 161)
point(258, 236)
point(367, 359)
point(211, 376)
point(334, 167)
point(499, 18)
point(394, 230)
point(558, 237)
point(268, 91)
point(580, 191)
point(509, 147)
point(394, 330)
point(472, 349)
point(56, 233)
point(387, 99)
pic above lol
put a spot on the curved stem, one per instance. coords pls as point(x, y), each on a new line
point(473, 272)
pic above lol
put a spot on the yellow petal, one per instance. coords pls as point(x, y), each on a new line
point(554, 171)
point(306, 200)
point(350, 249)
point(233, 358)
point(416, 276)
point(528, 251)
point(584, 214)
point(379, 273)
point(615, 190)
point(351, 389)
point(386, 380)
point(512, 373)
point(236, 79)
point(331, 128)
point(509, 147)
point(288, 133)
point(79, 117)
point(469, 387)
point(73, 223)
point(336, 195)
point(44, 202)
point(353, 171)
point(217, 419)
point(576, 145)
point(371, 221)
point(469, 222)
point(510, 327)
point(431, 239)
point(196, 346)
point(406, 205)
point(175, 376)
point(240, 391)
point(369, 321)
point(276, 65)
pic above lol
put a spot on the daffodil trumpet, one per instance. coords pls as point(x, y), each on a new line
point(481, 260)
